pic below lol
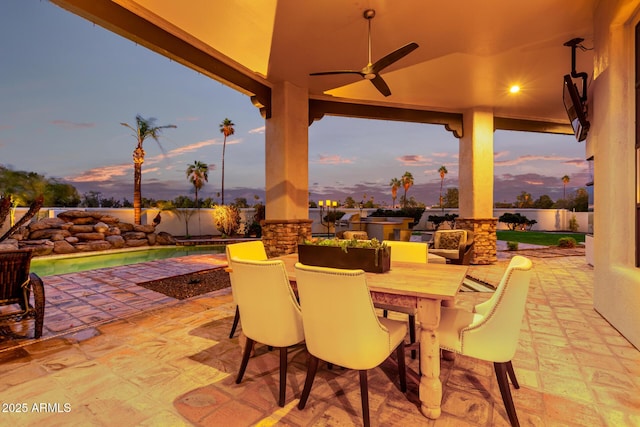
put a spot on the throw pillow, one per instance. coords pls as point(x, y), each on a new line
point(450, 240)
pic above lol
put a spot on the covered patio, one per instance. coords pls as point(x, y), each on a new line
point(146, 359)
point(459, 77)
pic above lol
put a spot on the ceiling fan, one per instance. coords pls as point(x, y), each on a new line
point(372, 71)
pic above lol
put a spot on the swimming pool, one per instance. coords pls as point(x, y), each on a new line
point(72, 263)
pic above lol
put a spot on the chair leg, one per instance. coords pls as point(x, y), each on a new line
point(245, 359)
point(312, 368)
point(364, 396)
point(505, 391)
point(512, 375)
point(412, 333)
point(236, 318)
point(39, 302)
point(402, 367)
point(283, 375)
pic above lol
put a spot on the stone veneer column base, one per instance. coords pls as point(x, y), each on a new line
point(484, 238)
point(281, 236)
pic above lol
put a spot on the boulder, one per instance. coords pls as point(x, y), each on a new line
point(134, 235)
point(39, 247)
point(73, 214)
point(124, 226)
point(72, 239)
point(48, 223)
point(136, 242)
point(9, 245)
point(108, 219)
point(80, 221)
point(147, 228)
point(49, 233)
point(90, 236)
point(63, 247)
point(152, 238)
point(88, 228)
point(100, 227)
point(101, 245)
point(115, 241)
point(112, 231)
point(164, 238)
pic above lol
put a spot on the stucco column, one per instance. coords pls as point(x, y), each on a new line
point(475, 182)
point(287, 169)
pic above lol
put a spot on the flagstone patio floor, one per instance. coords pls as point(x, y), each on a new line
point(114, 353)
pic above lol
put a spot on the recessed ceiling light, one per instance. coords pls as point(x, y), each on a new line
point(514, 89)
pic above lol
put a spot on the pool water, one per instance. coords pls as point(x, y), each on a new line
point(61, 264)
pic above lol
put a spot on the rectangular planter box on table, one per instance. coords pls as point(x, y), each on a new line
point(367, 259)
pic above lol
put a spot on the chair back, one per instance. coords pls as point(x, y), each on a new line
point(14, 272)
point(494, 333)
point(416, 252)
point(253, 250)
point(340, 323)
point(268, 307)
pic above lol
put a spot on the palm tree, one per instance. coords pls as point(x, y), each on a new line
point(407, 182)
point(226, 127)
point(443, 171)
point(144, 128)
point(395, 184)
point(565, 181)
point(198, 174)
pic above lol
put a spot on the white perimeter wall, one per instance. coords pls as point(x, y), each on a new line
point(202, 223)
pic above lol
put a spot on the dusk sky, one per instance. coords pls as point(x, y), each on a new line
point(67, 84)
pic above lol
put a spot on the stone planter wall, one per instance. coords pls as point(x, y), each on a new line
point(484, 238)
point(281, 237)
point(80, 231)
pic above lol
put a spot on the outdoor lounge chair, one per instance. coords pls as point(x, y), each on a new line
point(454, 245)
point(16, 285)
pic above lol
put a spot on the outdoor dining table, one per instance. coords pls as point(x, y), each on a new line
point(425, 287)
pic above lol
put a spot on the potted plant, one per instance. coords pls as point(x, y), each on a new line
point(368, 255)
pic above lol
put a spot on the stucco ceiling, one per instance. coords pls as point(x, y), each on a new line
point(470, 52)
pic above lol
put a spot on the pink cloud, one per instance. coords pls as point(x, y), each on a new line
point(258, 130)
point(413, 160)
point(532, 158)
point(104, 173)
point(332, 160)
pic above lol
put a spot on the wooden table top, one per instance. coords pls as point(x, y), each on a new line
point(433, 281)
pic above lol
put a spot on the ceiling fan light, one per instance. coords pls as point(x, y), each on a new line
point(369, 76)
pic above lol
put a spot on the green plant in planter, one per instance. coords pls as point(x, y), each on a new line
point(345, 244)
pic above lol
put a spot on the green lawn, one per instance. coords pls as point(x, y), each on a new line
point(537, 237)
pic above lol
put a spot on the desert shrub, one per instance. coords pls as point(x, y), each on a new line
point(226, 219)
point(515, 221)
point(567, 242)
point(573, 223)
point(512, 246)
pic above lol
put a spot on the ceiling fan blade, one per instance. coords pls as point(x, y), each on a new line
point(394, 56)
point(326, 73)
point(381, 85)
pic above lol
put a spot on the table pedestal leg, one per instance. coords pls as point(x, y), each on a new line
point(430, 391)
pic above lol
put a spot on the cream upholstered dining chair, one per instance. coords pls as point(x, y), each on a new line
point(253, 250)
point(345, 330)
point(490, 332)
point(270, 311)
point(416, 252)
